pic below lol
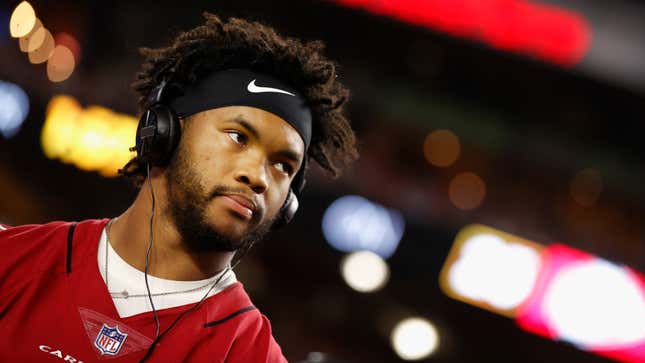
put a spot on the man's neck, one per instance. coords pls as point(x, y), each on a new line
point(129, 235)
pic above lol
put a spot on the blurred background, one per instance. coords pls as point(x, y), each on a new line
point(523, 116)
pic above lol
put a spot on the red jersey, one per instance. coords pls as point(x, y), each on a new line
point(55, 307)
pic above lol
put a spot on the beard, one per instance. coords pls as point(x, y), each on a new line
point(188, 201)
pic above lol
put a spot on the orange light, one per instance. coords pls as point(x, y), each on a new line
point(34, 39)
point(467, 191)
point(42, 53)
point(89, 151)
point(61, 64)
point(441, 148)
point(124, 129)
point(490, 269)
point(60, 122)
point(71, 43)
point(95, 138)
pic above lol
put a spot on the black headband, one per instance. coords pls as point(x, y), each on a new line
point(241, 87)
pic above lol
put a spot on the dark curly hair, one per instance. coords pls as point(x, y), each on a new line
point(237, 43)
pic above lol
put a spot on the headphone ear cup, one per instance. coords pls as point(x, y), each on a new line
point(143, 143)
point(288, 210)
point(158, 135)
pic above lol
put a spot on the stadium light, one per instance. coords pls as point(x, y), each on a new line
point(414, 338)
point(554, 291)
point(364, 271)
point(353, 223)
point(14, 104)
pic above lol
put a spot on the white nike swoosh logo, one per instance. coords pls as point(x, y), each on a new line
point(257, 89)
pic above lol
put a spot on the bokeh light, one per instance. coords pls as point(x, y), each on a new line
point(14, 104)
point(467, 191)
point(585, 187)
point(353, 223)
point(71, 43)
point(42, 53)
point(95, 138)
point(119, 141)
point(441, 148)
point(364, 271)
point(60, 121)
point(61, 54)
point(34, 39)
point(414, 338)
point(494, 271)
point(596, 303)
point(90, 151)
point(61, 64)
point(22, 20)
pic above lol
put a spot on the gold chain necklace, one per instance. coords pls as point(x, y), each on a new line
point(125, 295)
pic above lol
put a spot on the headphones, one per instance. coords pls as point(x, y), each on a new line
point(158, 134)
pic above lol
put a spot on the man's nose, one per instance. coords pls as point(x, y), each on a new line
point(253, 174)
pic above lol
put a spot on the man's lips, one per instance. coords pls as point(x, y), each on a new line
point(239, 204)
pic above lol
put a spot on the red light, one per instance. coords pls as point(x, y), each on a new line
point(544, 31)
point(536, 314)
point(71, 43)
point(553, 291)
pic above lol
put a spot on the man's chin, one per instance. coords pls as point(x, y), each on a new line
point(214, 241)
point(230, 233)
point(232, 226)
point(219, 232)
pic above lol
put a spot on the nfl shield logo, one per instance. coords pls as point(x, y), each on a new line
point(110, 340)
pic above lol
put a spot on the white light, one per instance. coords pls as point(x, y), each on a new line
point(492, 270)
point(353, 223)
point(595, 304)
point(414, 339)
point(364, 271)
point(22, 20)
point(14, 104)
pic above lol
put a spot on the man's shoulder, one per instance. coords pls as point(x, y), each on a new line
point(30, 231)
point(232, 302)
point(33, 245)
point(233, 307)
point(46, 229)
point(249, 330)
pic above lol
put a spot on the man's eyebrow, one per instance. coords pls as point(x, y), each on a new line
point(287, 153)
point(244, 123)
point(290, 154)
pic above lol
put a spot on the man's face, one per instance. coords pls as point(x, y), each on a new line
point(230, 176)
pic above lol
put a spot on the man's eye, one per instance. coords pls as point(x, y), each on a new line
point(238, 137)
point(285, 168)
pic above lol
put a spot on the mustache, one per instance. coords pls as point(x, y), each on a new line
point(222, 190)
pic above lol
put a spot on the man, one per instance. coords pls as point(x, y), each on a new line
point(232, 113)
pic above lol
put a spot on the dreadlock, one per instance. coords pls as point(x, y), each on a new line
point(237, 43)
